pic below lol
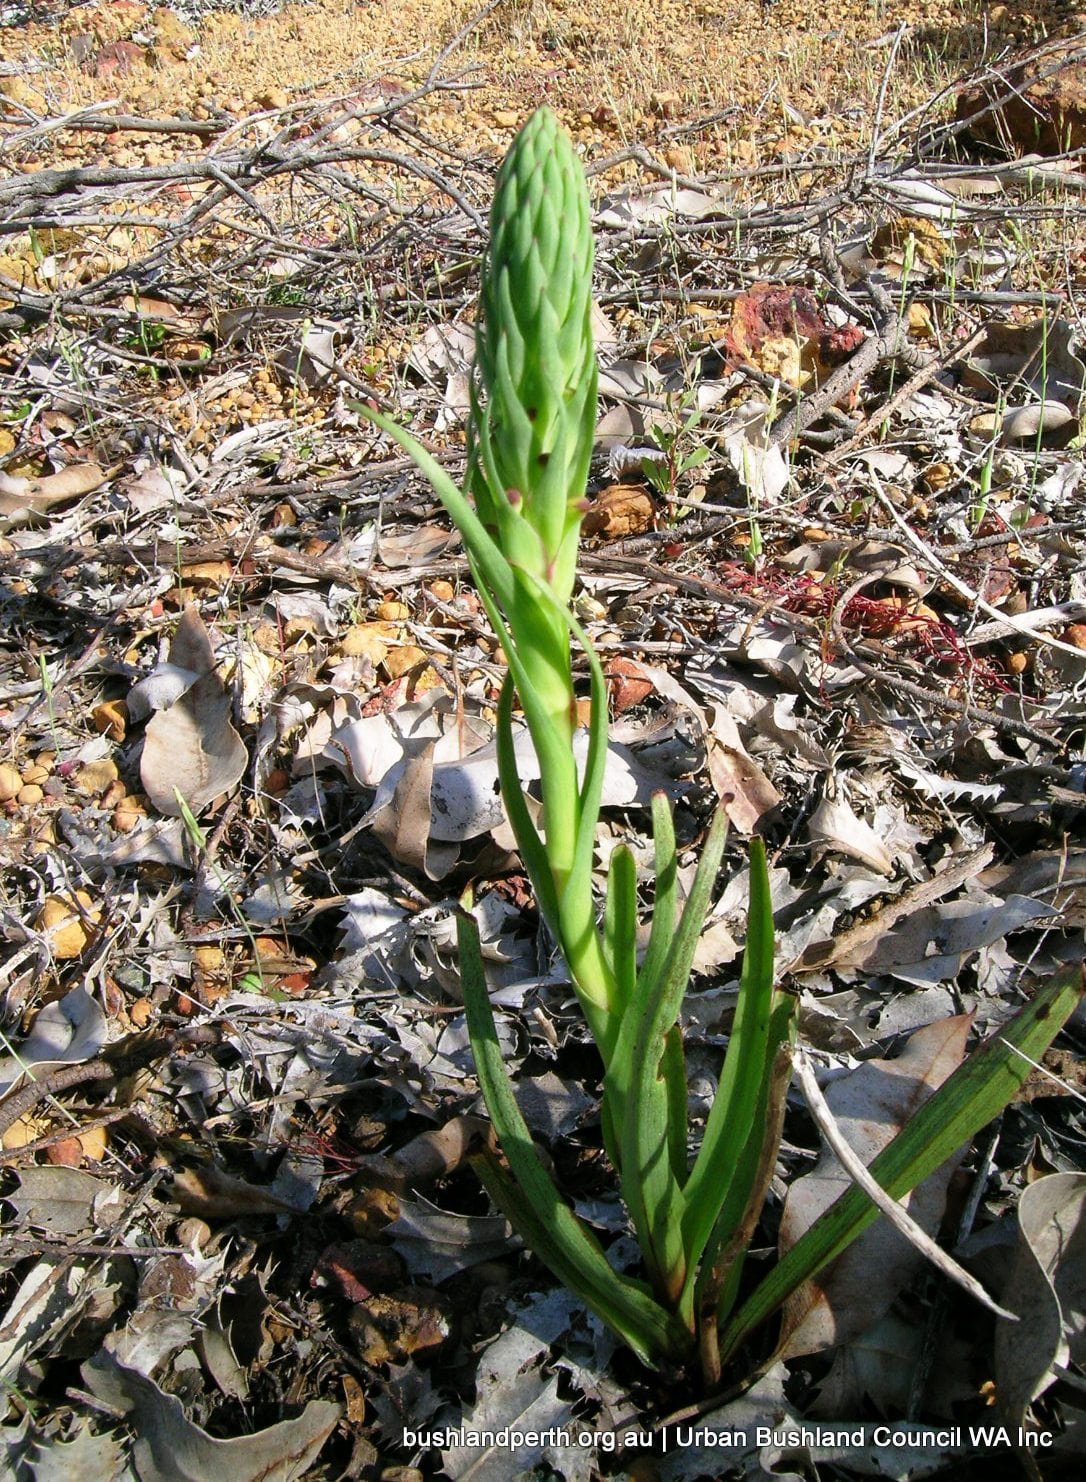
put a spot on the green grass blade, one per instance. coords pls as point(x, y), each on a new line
point(530, 1198)
point(750, 1058)
point(966, 1101)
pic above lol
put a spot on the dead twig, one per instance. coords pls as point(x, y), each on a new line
point(899, 1217)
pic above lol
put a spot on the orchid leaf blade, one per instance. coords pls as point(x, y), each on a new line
point(966, 1101)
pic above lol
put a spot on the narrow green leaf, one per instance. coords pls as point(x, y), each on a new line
point(620, 924)
point(530, 1198)
point(966, 1101)
point(532, 849)
point(722, 1264)
point(484, 552)
point(673, 1070)
point(750, 1057)
point(742, 1206)
point(639, 1085)
point(665, 904)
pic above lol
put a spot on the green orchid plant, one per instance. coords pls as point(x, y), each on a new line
point(530, 436)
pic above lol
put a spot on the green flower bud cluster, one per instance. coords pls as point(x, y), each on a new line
point(534, 400)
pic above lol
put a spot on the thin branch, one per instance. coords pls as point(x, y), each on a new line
point(901, 1220)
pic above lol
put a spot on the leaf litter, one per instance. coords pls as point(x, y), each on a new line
point(836, 580)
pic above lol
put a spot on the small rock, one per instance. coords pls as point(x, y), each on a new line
point(94, 778)
point(68, 924)
point(67, 1152)
point(1037, 115)
point(1022, 423)
point(666, 104)
point(367, 641)
point(399, 660)
point(120, 58)
point(142, 1012)
point(129, 813)
point(27, 1129)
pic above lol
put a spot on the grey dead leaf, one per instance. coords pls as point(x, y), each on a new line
point(1047, 1286)
point(512, 1393)
point(214, 1194)
point(68, 1031)
point(930, 945)
point(624, 379)
point(163, 687)
point(46, 1305)
point(744, 790)
point(875, 1368)
point(87, 1457)
point(429, 1156)
point(169, 1447)
point(835, 824)
point(310, 361)
point(645, 207)
point(415, 547)
point(761, 466)
point(871, 1105)
point(59, 1200)
point(438, 1245)
point(444, 350)
point(1043, 353)
point(152, 487)
point(403, 826)
point(764, 1406)
point(436, 777)
point(191, 746)
point(622, 424)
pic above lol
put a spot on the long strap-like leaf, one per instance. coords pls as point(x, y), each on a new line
point(752, 1052)
point(966, 1101)
point(530, 1199)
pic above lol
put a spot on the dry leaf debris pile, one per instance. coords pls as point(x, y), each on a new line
point(835, 572)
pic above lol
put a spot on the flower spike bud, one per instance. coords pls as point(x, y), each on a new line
point(534, 398)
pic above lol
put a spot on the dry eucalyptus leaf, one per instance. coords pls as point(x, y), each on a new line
point(19, 496)
point(191, 747)
point(213, 1194)
point(511, 1391)
point(60, 1200)
point(437, 1244)
point(744, 790)
point(1047, 1287)
point(871, 1105)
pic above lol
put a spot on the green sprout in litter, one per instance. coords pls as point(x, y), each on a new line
point(530, 436)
